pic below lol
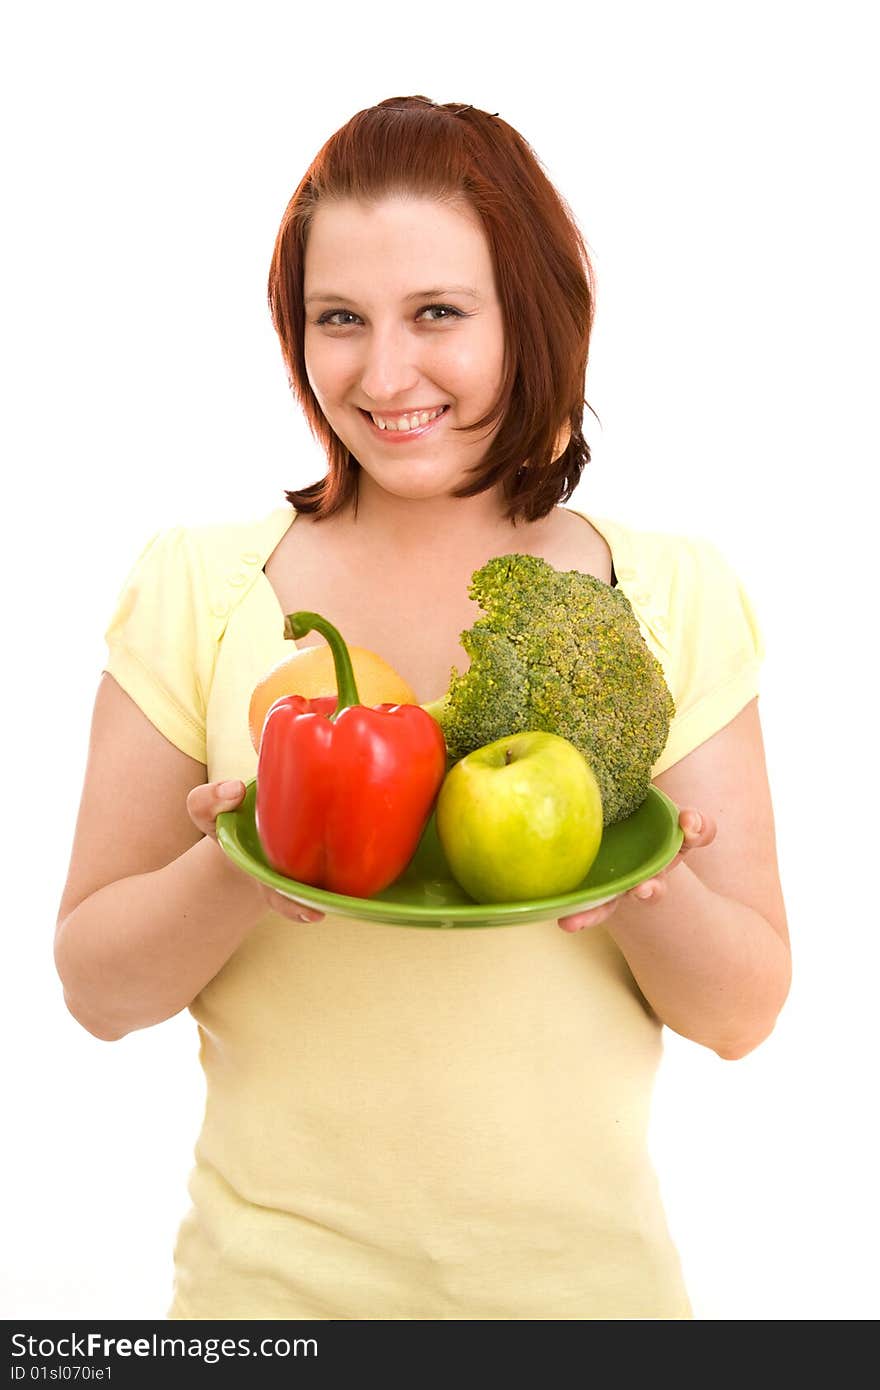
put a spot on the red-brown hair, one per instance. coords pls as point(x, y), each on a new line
point(412, 146)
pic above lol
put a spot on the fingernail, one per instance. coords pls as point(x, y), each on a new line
point(643, 891)
point(696, 824)
point(228, 789)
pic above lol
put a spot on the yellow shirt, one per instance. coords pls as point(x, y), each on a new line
point(407, 1124)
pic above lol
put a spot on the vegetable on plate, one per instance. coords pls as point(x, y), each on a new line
point(560, 652)
point(342, 798)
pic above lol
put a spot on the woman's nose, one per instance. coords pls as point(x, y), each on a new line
point(390, 366)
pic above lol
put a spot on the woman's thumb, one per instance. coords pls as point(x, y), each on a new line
point(205, 803)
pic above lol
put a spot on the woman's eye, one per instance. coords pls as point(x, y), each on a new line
point(328, 317)
point(445, 309)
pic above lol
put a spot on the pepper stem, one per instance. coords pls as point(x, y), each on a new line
point(297, 625)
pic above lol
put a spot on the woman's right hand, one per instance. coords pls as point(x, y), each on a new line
point(204, 804)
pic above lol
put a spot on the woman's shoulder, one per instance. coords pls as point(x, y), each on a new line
point(658, 569)
point(647, 551)
point(197, 572)
point(208, 553)
point(250, 541)
point(682, 588)
point(698, 619)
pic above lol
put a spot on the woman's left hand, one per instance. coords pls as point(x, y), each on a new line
point(698, 830)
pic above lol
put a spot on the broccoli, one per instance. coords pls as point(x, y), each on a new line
point(561, 652)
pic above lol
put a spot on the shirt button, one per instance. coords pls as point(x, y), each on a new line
point(238, 579)
point(220, 610)
point(661, 626)
point(251, 558)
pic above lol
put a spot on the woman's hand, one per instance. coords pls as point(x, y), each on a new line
point(698, 830)
point(204, 804)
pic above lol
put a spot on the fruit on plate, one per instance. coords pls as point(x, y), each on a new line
point(310, 672)
point(520, 818)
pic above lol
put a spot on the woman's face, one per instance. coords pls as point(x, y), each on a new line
point(402, 314)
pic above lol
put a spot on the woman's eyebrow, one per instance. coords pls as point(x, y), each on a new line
point(416, 294)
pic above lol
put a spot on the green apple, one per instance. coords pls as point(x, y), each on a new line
point(520, 818)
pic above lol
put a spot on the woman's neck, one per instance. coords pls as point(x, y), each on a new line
point(457, 529)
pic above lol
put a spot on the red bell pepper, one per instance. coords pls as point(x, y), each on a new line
point(343, 797)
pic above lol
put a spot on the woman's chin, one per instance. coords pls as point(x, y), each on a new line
point(418, 488)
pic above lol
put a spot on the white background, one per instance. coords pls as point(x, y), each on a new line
point(719, 160)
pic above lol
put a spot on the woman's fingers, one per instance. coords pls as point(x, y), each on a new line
point(287, 907)
point(204, 803)
point(699, 830)
point(652, 889)
point(591, 917)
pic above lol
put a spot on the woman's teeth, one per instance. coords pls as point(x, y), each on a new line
point(407, 422)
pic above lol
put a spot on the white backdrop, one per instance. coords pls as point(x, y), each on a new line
point(717, 158)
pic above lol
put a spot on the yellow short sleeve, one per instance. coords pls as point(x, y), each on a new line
point(159, 640)
point(715, 648)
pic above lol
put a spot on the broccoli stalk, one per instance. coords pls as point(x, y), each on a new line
point(561, 652)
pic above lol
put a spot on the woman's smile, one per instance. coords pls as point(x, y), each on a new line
point(396, 432)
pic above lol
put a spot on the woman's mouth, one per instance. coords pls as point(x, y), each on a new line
point(397, 436)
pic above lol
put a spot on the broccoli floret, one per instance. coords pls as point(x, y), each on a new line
point(561, 652)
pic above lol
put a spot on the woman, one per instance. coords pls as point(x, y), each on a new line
point(408, 1124)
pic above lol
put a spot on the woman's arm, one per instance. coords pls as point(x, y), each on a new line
point(709, 947)
point(152, 907)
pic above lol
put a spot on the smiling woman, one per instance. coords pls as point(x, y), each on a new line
point(375, 219)
point(400, 1123)
point(401, 375)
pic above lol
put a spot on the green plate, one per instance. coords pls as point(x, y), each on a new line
point(426, 895)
